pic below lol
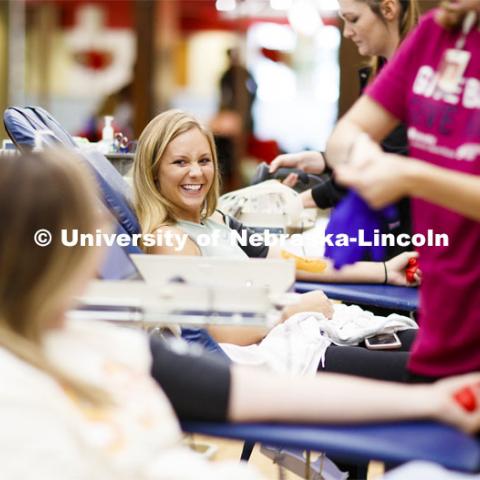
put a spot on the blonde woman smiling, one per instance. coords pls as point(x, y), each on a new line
point(176, 189)
point(176, 183)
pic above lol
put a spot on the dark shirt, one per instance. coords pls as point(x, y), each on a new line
point(197, 384)
point(237, 92)
point(252, 251)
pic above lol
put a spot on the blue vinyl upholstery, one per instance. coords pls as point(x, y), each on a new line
point(394, 443)
point(392, 297)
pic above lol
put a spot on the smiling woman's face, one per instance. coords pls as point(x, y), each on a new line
point(186, 174)
point(364, 28)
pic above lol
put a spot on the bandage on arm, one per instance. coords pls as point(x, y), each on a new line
point(312, 265)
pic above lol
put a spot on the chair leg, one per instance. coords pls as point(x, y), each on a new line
point(247, 451)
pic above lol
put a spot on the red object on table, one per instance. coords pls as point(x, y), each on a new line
point(412, 267)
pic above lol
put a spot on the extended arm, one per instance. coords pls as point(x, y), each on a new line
point(258, 395)
point(308, 161)
point(383, 178)
point(359, 272)
point(386, 178)
point(202, 387)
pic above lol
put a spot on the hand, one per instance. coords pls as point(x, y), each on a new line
point(396, 270)
point(290, 180)
point(315, 301)
point(380, 178)
point(448, 408)
point(308, 161)
point(307, 199)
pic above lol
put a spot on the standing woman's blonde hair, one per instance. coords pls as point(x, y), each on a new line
point(42, 191)
point(152, 208)
point(407, 21)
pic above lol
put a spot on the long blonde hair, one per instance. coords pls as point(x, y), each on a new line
point(152, 208)
point(409, 14)
point(41, 191)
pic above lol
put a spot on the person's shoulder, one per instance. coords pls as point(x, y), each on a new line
point(173, 240)
point(219, 217)
point(168, 228)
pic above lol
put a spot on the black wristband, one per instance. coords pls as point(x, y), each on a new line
point(386, 274)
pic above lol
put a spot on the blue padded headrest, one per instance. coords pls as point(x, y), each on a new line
point(21, 125)
point(116, 191)
point(51, 124)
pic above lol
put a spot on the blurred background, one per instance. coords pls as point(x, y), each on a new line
point(268, 76)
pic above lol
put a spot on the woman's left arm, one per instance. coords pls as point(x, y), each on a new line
point(384, 178)
point(392, 271)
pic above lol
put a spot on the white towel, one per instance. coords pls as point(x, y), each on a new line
point(350, 325)
point(299, 344)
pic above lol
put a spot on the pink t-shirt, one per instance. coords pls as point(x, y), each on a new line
point(443, 130)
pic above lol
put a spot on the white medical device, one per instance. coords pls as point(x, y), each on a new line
point(268, 205)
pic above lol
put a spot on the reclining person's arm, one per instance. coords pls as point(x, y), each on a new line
point(260, 395)
point(391, 272)
point(201, 387)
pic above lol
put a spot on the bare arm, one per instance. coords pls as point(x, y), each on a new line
point(243, 335)
point(383, 178)
point(315, 301)
point(260, 395)
point(359, 272)
point(227, 334)
point(453, 190)
point(389, 177)
point(367, 272)
point(308, 161)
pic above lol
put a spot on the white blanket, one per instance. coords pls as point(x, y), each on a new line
point(299, 344)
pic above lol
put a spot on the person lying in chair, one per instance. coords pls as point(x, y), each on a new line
point(176, 183)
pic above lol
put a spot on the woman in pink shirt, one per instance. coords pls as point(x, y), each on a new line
point(433, 86)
